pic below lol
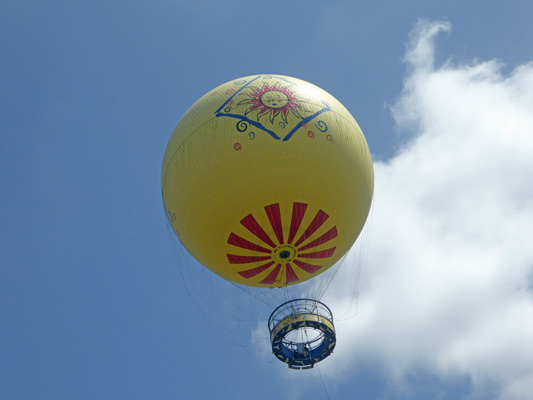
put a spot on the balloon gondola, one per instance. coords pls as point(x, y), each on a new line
point(302, 332)
point(267, 181)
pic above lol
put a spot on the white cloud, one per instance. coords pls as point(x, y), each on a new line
point(448, 282)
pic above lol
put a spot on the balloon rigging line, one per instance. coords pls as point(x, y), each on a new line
point(323, 383)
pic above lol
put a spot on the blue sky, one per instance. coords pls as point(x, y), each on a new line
point(92, 302)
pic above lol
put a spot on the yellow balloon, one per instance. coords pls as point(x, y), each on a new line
point(267, 180)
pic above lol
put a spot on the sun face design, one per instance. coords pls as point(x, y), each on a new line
point(273, 101)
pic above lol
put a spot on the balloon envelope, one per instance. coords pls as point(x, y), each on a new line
point(267, 180)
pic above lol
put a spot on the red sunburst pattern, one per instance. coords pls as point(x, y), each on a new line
point(284, 251)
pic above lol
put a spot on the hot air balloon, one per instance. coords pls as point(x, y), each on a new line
point(267, 181)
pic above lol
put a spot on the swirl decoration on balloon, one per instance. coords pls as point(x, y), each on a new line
point(171, 217)
point(237, 146)
point(311, 134)
point(230, 91)
point(321, 126)
point(329, 138)
point(251, 135)
point(242, 125)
